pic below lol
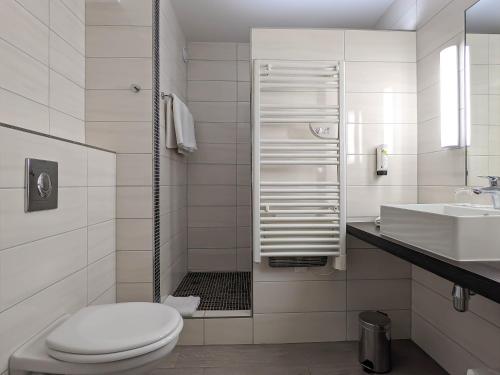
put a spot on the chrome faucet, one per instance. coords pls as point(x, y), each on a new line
point(493, 189)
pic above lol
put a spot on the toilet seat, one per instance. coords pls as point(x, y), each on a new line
point(108, 333)
point(112, 357)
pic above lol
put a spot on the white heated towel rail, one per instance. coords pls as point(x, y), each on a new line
point(298, 216)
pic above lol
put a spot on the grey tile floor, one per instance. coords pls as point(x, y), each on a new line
point(338, 358)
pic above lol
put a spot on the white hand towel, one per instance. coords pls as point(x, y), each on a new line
point(184, 126)
point(186, 306)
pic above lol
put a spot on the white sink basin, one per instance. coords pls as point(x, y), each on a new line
point(459, 232)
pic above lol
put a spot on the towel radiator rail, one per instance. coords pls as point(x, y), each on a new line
point(298, 218)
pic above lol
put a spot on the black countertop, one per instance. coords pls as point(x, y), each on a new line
point(481, 277)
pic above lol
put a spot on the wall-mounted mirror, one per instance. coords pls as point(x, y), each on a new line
point(482, 87)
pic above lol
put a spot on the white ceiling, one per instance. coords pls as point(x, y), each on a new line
point(231, 20)
point(484, 17)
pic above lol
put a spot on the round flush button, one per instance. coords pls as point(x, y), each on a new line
point(44, 185)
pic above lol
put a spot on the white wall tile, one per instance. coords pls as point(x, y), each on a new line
point(134, 292)
point(199, 70)
point(212, 91)
point(361, 170)
point(24, 31)
point(375, 264)
point(299, 296)
point(212, 238)
point(204, 260)
point(201, 174)
point(476, 335)
point(118, 41)
point(365, 201)
point(212, 195)
point(207, 132)
point(394, 46)
point(134, 202)
point(140, 164)
point(65, 126)
point(18, 227)
point(214, 153)
point(124, 12)
point(380, 108)
point(380, 77)
point(65, 60)
point(101, 276)
point(300, 327)
point(22, 274)
point(67, 25)
point(213, 111)
point(101, 240)
point(297, 44)
point(134, 234)
point(122, 137)
point(66, 96)
point(134, 266)
point(23, 75)
point(15, 146)
point(378, 294)
point(23, 320)
point(101, 168)
point(231, 331)
point(212, 51)
point(365, 138)
point(38, 8)
point(118, 73)
point(101, 204)
point(118, 105)
point(192, 333)
point(25, 113)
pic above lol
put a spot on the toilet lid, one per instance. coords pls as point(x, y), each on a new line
point(114, 328)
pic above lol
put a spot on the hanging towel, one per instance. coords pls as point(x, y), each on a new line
point(183, 126)
point(186, 306)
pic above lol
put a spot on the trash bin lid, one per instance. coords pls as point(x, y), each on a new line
point(374, 320)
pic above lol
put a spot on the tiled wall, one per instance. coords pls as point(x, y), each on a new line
point(321, 304)
point(119, 53)
point(219, 172)
point(57, 261)
point(484, 153)
point(457, 341)
point(173, 172)
point(42, 69)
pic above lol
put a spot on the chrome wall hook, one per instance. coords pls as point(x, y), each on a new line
point(134, 87)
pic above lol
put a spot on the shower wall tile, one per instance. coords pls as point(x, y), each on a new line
point(118, 41)
point(50, 261)
point(212, 51)
point(200, 70)
point(218, 94)
point(125, 13)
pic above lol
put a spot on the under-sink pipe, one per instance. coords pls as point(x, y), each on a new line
point(461, 297)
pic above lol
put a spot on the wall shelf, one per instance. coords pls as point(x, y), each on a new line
point(481, 277)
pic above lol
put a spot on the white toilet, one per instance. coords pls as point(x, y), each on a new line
point(122, 338)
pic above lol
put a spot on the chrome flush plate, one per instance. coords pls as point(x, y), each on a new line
point(41, 185)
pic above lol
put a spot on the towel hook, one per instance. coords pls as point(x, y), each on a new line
point(134, 87)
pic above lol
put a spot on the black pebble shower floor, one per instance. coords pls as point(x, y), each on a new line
point(218, 290)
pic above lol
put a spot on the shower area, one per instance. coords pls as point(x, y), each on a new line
point(202, 201)
point(268, 198)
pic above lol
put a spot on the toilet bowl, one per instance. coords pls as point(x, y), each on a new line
point(123, 338)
